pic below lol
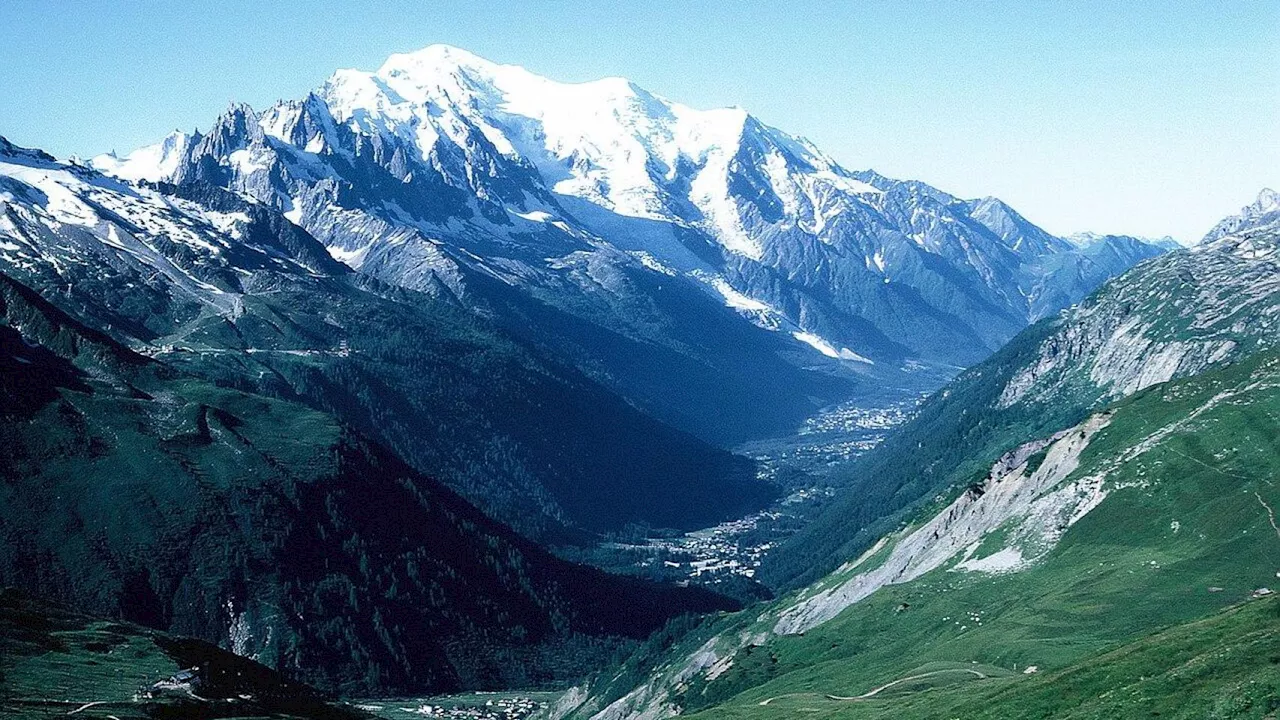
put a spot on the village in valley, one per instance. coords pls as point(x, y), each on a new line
point(471, 706)
point(803, 465)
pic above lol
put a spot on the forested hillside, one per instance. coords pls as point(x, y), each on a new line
point(140, 492)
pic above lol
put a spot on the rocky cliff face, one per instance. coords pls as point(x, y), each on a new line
point(1172, 317)
point(1261, 213)
point(1034, 499)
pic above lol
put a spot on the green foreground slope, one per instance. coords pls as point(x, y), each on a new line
point(1224, 666)
point(1179, 525)
point(55, 663)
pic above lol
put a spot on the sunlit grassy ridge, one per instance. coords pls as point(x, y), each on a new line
point(1224, 666)
point(1167, 318)
point(55, 663)
point(1184, 532)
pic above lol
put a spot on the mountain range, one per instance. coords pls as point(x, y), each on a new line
point(457, 228)
point(231, 291)
point(720, 274)
point(326, 383)
point(135, 490)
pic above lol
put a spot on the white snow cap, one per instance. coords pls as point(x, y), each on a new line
point(607, 141)
point(152, 162)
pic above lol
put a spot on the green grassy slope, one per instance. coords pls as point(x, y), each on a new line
point(1225, 666)
point(1167, 318)
point(54, 663)
point(1184, 531)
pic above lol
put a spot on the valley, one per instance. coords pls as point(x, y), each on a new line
point(469, 706)
point(828, 440)
point(447, 389)
point(806, 469)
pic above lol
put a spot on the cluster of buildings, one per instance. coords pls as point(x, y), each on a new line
point(506, 707)
point(737, 547)
point(731, 548)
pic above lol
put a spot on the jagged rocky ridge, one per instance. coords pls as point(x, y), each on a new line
point(1262, 212)
point(1174, 318)
point(678, 255)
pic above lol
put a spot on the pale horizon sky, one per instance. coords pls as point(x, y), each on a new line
point(1136, 118)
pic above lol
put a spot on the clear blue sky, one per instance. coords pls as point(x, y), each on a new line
point(1122, 116)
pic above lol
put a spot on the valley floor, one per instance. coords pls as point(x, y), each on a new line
point(466, 706)
point(805, 466)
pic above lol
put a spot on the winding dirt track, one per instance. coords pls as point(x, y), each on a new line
point(876, 691)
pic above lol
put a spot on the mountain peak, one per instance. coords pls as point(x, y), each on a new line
point(152, 162)
point(1268, 200)
point(472, 144)
point(434, 60)
point(1261, 212)
point(444, 72)
point(995, 209)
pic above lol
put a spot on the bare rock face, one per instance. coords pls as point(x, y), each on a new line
point(1010, 493)
point(1262, 212)
point(1172, 317)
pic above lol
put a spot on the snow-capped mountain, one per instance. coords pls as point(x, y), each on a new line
point(679, 255)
